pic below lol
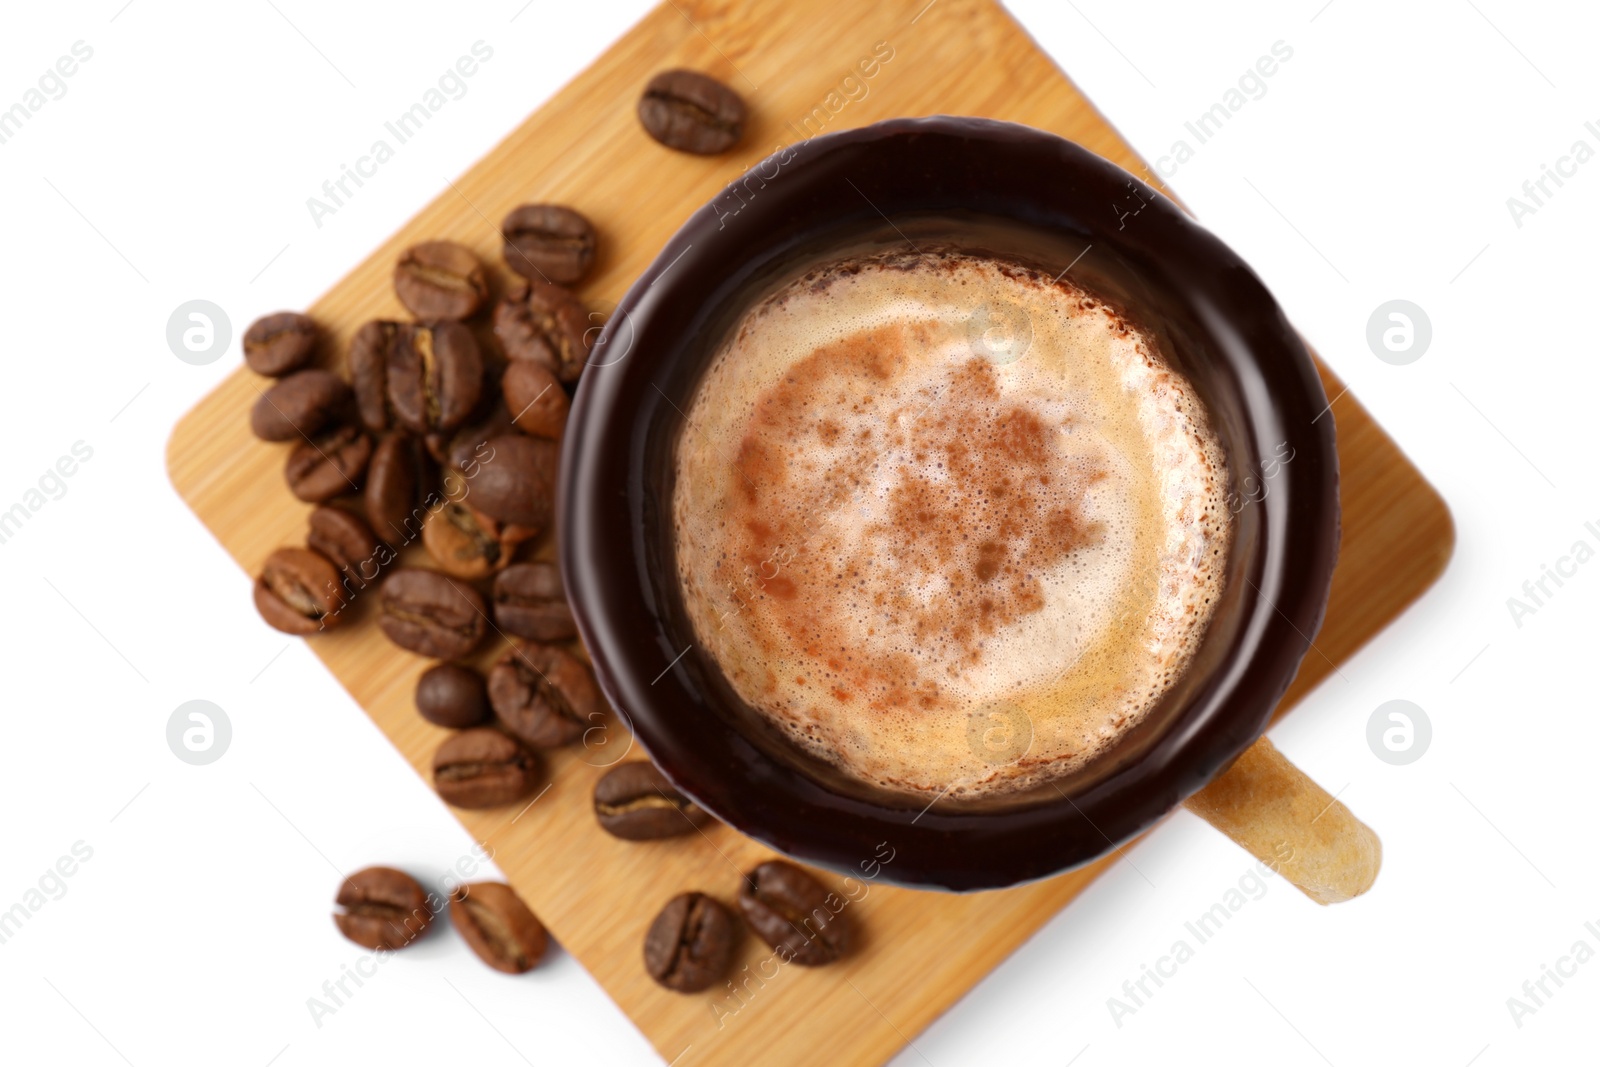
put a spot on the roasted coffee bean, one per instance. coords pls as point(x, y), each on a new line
point(452, 696)
point(466, 543)
point(469, 445)
point(546, 324)
point(690, 944)
point(346, 541)
point(398, 470)
point(537, 403)
point(483, 768)
point(530, 602)
point(435, 376)
point(549, 242)
point(330, 464)
point(280, 344)
point(439, 280)
point(634, 801)
point(299, 592)
point(371, 351)
point(795, 914)
point(384, 909)
point(497, 925)
point(517, 482)
point(692, 112)
point(425, 379)
point(544, 695)
point(431, 614)
point(299, 405)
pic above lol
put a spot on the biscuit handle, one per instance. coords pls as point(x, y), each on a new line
point(1273, 811)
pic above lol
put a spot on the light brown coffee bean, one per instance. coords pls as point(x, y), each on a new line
point(384, 909)
point(497, 925)
point(544, 695)
point(466, 543)
point(440, 280)
point(483, 768)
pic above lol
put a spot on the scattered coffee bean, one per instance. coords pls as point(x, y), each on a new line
point(692, 112)
point(483, 768)
point(280, 344)
point(330, 464)
point(395, 475)
point(452, 696)
point(384, 909)
point(469, 446)
point(299, 592)
point(548, 242)
point(530, 602)
point(299, 405)
point(466, 543)
point(690, 944)
point(431, 614)
point(634, 801)
point(425, 379)
point(790, 910)
point(517, 483)
point(435, 376)
point(440, 280)
point(371, 351)
point(537, 403)
point(346, 541)
point(544, 695)
point(546, 324)
point(498, 926)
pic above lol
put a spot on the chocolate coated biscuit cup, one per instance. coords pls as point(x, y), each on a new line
point(1021, 194)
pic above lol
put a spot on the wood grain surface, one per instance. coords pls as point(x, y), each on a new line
point(919, 951)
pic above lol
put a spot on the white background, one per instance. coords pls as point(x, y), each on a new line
point(1377, 166)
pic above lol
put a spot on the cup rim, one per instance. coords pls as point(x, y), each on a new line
point(605, 507)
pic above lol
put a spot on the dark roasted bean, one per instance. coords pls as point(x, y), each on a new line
point(384, 909)
point(439, 280)
point(299, 592)
point(544, 695)
point(795, 914)
point(530, 602)
point(544, 323)
point(549, 242)
point(692, 112)
point(299, 405)
point(497, 925)
point(483, 768)
point(431, 614)
point(634, 801)
point(280, 344)
point(690, 944)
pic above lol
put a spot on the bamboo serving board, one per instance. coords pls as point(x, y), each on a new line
point(920, 951)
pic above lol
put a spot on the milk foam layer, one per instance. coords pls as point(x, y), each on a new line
point(949, 525)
